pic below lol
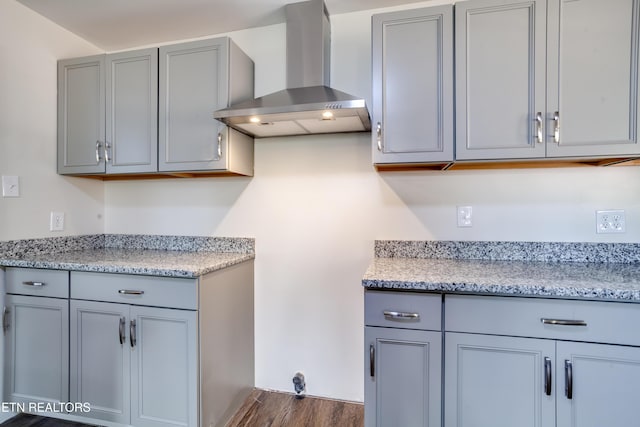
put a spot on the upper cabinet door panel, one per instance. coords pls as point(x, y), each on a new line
point(500, 72)
point(413, 86)
point(132, 111)
point(593, 77)
point(81, 115)
point(193, 84)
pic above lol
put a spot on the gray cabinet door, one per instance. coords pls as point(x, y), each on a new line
point(413, 86)
point(193, 84)
point(164, 369)
point(81, 115)
point(132, 111)
point(403, 374)
point(500, 79)
point(99, 361)
point(605, 385)
point(593, 77)
point(36, 350)
point(494, 381)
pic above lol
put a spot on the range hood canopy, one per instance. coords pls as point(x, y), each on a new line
point(309, 105)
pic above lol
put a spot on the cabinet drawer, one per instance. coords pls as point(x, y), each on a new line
point(602, 322)
point(34, 281)
point(132, 289)
point(403, 310)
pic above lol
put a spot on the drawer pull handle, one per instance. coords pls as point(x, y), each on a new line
point(121, 330)
point(563, 322)
point(130, 292)
point(547, 376)
point(34, 283)
point(399, 315)
point(568, 378)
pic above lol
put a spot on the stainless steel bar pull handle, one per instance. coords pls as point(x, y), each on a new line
point(372, 361)
point(547, 376)
point(130, 292)
point(568, 379)
point(121, 330)
point(33, 283)
point(107, 148)
point(563, 322)
point(379, 135)
point(5, 319)
point(132, 333)
point(98, 158)
point(539, 135)
point(398, 315)
point(219, 148)
point(556, 127)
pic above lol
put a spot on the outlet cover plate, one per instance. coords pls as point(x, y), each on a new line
point(464, 216)
point(610, 221)
point(56, 221)
point(10, 186)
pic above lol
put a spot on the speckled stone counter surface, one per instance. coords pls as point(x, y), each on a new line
point(172, 256)
point(564, 270)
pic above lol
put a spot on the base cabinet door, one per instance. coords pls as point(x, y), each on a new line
point(402, 377)
point(494, 381)
point(99, 359)
point(135, 365)
point(599, 385)
point(36, 349)
point(164, 374)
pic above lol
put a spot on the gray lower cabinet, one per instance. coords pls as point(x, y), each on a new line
point(546, 79)
point(36, 336)
point(412, 56)
point(403, 359)
point(518, 361)
point(135, 365)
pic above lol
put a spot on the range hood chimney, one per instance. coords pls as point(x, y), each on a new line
point(308, 105)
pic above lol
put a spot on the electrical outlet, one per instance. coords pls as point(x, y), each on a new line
point(10, 186)
point(612, 221)
point(56, 221)
point(464, 216)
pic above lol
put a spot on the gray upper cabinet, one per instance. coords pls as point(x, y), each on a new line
point(500, 79)
point(592, 79)
point(196, 79)
point(546, 79)
point(149, 112)
point(131, 144)
point(81, 115)
point(412, 54)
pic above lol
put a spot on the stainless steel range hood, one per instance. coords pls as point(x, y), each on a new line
point(309, 105)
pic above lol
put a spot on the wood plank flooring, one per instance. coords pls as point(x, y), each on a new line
point(28, 420)
point(264, 408)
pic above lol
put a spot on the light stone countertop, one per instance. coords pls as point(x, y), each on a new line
point(587, 280)
point(169, 256)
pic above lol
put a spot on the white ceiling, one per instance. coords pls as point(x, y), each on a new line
point(120, 24)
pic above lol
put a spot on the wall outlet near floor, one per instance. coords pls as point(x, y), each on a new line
point(464, 216)
point(611, 221)
point(56, 222)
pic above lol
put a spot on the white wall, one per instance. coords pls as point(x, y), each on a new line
point(29, 48)
point(315, 205)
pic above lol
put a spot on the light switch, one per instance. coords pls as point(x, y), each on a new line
point(10, 186)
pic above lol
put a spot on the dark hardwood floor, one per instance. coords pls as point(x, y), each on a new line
point(28, 420)
point(261, 409)
point(270, 409)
